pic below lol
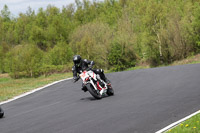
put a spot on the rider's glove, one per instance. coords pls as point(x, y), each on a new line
point(92, 63)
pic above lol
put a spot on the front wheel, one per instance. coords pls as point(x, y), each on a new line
point(96, 94)
point(110, 91)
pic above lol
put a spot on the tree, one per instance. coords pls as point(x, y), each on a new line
point(24, 61)
point(196, 27)
point(5, 13)
point(122, 54)
point(92, 41)
point(61, 54)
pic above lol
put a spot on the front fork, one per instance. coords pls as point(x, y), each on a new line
point(103, 90)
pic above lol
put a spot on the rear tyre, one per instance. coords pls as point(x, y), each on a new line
point(93, 92)
point(110, 91)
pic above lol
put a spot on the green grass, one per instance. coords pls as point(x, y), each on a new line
point(10, 88)
point(195, 62)
point(137, 67)
point(190, 60)
point(191, 125)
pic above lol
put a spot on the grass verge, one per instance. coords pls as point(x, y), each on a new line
point(191, 125)
point(190, 60)
point(10, 88)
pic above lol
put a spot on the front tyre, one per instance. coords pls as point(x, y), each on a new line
point(110, 91)
point(96, 94)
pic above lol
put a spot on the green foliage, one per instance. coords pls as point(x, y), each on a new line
point(1, 59)
point(196, 27)
point(61, 54)
point(110, 11)
point(4, 48)
point(92, 41)
point(114, 33)
point(50, 69)
point(24, 61)
point(5, 13)
point(119, 59)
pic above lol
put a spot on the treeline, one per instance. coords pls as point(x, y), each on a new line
point(116, 34)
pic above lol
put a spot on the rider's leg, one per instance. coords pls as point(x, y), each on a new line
point(101, 74)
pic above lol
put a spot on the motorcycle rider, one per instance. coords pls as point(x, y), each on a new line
point(81, 65)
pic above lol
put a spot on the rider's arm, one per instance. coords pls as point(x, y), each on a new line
point(91, 63)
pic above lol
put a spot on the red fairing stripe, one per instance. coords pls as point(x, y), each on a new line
point(87, 79)
point(83, 74)
point(98, 87)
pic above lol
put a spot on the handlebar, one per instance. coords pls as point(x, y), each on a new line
point(89, 68)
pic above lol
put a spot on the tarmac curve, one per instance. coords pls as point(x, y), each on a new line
point(145, 101)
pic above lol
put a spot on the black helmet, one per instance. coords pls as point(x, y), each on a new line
point(77, 60)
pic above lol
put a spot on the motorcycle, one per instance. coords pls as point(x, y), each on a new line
point(1, 112)
point(95, 85)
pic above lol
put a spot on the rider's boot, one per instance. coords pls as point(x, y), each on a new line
point(84, 88)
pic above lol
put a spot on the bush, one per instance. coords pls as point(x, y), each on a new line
point(61, 54)
point(119, 59)
point(92, 41)
point(24, 61)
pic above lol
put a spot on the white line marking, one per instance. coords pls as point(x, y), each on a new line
point(176, 123)
point(33, 91)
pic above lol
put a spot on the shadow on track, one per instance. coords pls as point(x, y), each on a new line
point(92, 98)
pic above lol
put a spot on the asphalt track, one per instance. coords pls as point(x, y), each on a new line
point(145, 101)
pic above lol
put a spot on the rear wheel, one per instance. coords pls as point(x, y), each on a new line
point(95, 93)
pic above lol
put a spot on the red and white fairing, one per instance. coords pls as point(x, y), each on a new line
point(86, 74)
point(86, 77)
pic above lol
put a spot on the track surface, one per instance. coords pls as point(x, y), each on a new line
point(145, 101)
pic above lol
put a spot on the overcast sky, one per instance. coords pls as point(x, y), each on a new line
point(17, 6)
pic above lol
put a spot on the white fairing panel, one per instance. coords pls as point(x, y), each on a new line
point(87, 74)
point(92, 74)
